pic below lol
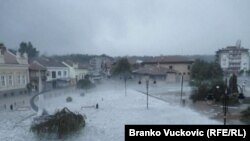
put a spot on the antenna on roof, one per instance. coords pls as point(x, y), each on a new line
point(238, 43)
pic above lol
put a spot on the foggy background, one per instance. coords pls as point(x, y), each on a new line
point(125, 27)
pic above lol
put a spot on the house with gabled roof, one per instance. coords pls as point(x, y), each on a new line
point(57, 74)
point(176, 66)
point(14, 74)
point(77, 71)
point(37, 71)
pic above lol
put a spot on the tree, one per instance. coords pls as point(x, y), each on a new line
point(233, 86)
point(29, 49)
point(245, 116)
point(122, 66)
point(205, 71)
point(2, 48)
point(206, 76)
point(62, 123)
point(85, 83)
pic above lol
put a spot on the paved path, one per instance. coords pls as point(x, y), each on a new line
point(32, 101)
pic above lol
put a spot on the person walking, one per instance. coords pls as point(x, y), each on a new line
point(11, 107)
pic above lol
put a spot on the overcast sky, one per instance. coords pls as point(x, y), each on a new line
point(125, 27)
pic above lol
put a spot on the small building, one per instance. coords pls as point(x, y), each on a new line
point(77, 71)
point(156, 73)
point(233, 59)
point(176, 65)
point(14, 72)
point(100, 66)
point(57, 74)
point(36, 70)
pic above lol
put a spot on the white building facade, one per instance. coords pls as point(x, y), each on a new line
point(14, 73)
point(56, 73)
point(77, 71)
point(233, 59)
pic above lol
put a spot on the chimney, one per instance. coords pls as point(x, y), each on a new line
point(75, 65)
point(25, 55)
point(22, 59)
point(2, 50)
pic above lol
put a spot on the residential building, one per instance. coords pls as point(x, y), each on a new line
point(233, 59)
point(37, 71)
point(100, 66)
point(155, 73)
point(96, 65)
point(57, 74)
point(14, 74)
point(77, 71)
point(176, 66)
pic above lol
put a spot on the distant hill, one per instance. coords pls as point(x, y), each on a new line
point(208, 58)
point(80, 58)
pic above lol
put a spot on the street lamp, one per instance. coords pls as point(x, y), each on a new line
point(182, 89)
point(225, 106)
point(147, 85)
point(125, 77)
point(125, 81)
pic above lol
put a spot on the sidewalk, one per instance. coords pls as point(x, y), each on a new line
point(215, 111)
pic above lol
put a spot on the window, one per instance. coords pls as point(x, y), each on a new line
point(59, 73)
point(19, 79)
point(188, 67)
point(65, 73)
point(10, 80)
point(23, 79)
point(170, 67)
point(3, 82)
point(53, 74)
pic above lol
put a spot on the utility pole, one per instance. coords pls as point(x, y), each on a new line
point(181, 87)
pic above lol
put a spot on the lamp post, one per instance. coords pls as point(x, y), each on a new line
point(182, 88)
point(147, 91)
point(225, 107)
point(125, 81)
point(125, 77)
point(225, 101)
point(147, 86)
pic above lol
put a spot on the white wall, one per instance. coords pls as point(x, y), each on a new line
point(13, 77)
point(224, 60)
point(57, 70)
point(244, 61)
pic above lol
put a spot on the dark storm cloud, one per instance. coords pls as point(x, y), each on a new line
point(118, 27)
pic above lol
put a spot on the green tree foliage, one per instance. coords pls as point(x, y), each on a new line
point(204, 71)
point(245, 115)
point(29, 49)
point(62, 123)
point(233, 86)
point(2, 47)
point(206, 76)
point(85, 84)
point(122, 66)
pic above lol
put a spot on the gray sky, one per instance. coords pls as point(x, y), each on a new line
point(125, 27)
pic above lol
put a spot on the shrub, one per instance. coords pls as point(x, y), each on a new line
point(199, 93)
point(69, 99)
point(82, 94)
point(62, 123)
point(85, 84)
point(245, 116)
